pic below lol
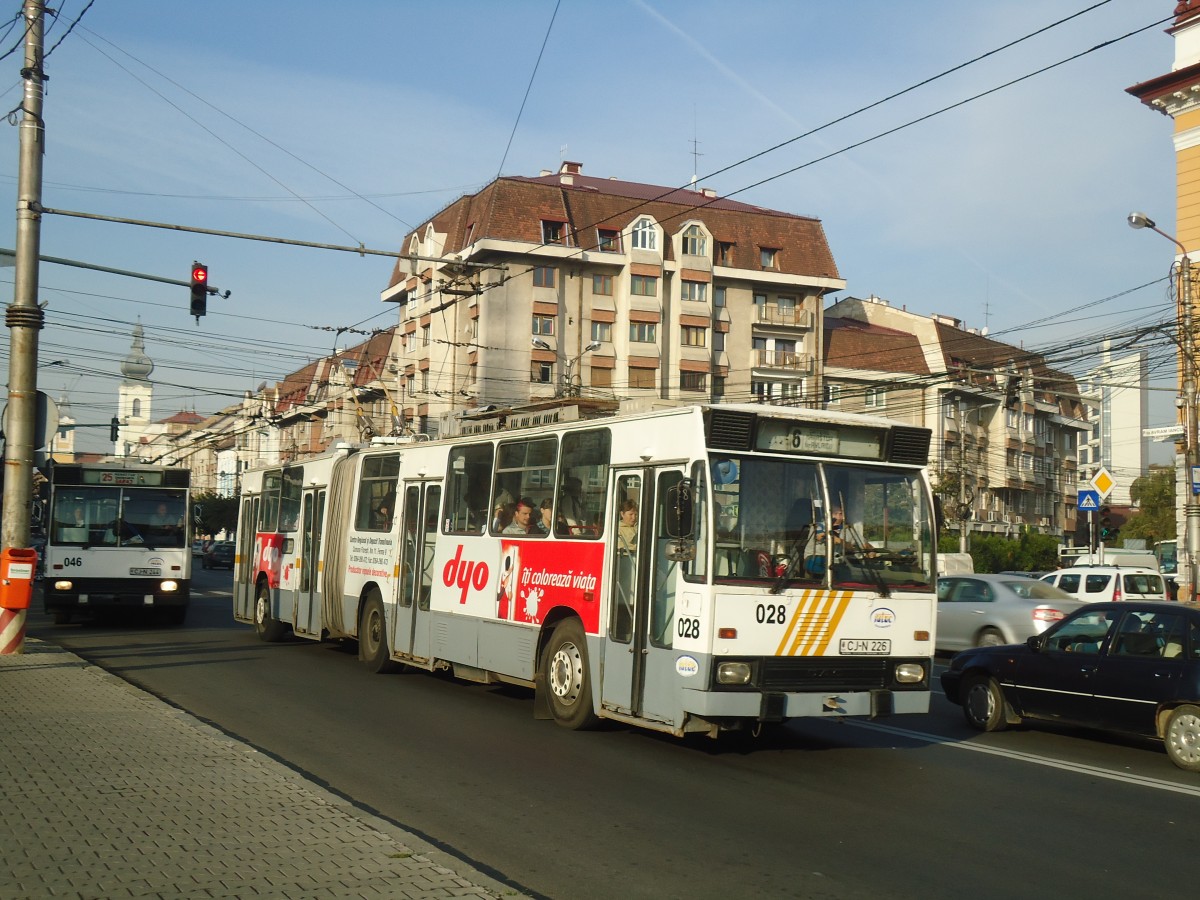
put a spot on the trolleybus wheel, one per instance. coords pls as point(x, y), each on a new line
point(566, 678)
point(267, 626)
point(175, 615)
point(372, 637)
point(62, 617)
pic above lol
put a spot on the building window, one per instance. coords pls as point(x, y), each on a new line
point(425, 335)
point(769, 257)
point(718, 341)
point(643, 285)
point(694, 241)
point(643, 332)
point(695, 291)
point(875, 398)
point(718, 295)
point(724, 253)
point(542, 373)
point(718, 387)
point(543, 324)
point(410, 382)
point(608, 240)
point(425, 380)
point(601, 377)
point(543, 276)
point(641, 378)
point(552, 232)
point(602, 284)
point(645, 235)
point(833, 394)
point(602, 331)
point(693, 336)
point(693, 381)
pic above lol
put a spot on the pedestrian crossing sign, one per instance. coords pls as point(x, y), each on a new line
point(1088, 500)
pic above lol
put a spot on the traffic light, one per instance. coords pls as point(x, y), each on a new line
point(114, 428)
point(1106, 525)
point(199, 289)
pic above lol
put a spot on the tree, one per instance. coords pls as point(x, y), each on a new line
point(216, 513)
point(1154, 496)
point(1031, 552)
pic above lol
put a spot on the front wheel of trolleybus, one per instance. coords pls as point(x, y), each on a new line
point(566, 677)
point(266, 625)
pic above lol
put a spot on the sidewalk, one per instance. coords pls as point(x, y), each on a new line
point(108, 792)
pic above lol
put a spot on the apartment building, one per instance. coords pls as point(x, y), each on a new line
point(1005, 425)
point(565, 284)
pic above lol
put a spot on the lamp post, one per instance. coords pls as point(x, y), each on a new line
point(567, 387)
point(1187, 373)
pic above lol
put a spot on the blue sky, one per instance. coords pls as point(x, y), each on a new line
point(348, 124)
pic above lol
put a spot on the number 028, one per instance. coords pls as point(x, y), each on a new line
point(770, 614)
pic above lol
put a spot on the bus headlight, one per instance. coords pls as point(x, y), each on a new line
point(63, 585)
point(168, 587)
point(910, 673)
point(733, 673)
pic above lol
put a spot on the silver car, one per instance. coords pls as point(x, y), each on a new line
point(982, 610)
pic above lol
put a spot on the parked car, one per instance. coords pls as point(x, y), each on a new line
point(219, 555)
point(981, 610)
point(1131, 667)
point(1098, 583)
point(198, 548)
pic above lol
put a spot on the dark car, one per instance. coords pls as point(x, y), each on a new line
point(219, 556)
point(1131, 667)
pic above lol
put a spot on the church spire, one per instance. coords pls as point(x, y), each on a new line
point(137, 365)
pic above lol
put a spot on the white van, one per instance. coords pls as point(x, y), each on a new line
point(1096, 583)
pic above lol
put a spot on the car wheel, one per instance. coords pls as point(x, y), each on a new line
point(983, 704)
point(989, 637)
point(1183, 738)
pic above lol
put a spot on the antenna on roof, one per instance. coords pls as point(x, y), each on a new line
point(696, 154)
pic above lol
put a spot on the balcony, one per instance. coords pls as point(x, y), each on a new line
point(783, 316)
point(796, 363)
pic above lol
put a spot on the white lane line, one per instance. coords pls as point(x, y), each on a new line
point(1078, 768)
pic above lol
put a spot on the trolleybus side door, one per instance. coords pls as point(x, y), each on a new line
point(246, 565)
point(639, 630)
point(418, 545)
point(308, 595)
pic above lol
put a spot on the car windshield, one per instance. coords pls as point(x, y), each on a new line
point(1034, 590)
point(850, 526)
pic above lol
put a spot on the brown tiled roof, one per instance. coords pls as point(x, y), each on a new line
point(513, 208)
point(182, 418)
point(852, 343)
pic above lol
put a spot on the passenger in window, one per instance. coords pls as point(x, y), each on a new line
point(384, 511)
point(571, 505)
point(522, 519)
point(627, 530)
point(547, 520)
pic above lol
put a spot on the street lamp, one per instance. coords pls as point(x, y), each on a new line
point(1187, 375)
point(567, 388)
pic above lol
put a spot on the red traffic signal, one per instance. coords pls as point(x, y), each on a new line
point(199, 289)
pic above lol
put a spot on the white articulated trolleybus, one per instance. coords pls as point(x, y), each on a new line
point(117, 536)
point(694, 569)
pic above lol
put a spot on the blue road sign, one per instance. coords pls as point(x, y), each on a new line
point(1089, 500)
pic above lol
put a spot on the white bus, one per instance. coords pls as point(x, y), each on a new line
point(736, 598)
point(117, 536)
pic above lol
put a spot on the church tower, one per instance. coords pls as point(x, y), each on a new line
point(135, 396)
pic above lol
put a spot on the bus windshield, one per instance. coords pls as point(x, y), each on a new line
point(820, 524)
point(98, 516)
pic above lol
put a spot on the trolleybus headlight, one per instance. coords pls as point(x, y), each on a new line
point(910, 673)
point(168, 587)
point(63, 585)
point(733, 673)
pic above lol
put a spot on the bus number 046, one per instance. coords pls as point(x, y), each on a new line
point(689, 628)
point(72, 561)
point(770, 614)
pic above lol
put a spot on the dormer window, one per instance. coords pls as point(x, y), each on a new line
point(695, 243)
point(645, 235)
point(769, 257)
point(608, 240)
point(552, 232)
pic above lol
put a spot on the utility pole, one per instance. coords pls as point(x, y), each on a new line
point(24, 317)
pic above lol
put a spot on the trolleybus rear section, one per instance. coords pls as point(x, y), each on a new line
point(698, 569)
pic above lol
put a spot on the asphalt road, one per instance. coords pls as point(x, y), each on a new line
point(903, 807)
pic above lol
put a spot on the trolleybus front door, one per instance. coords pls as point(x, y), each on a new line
point(418, 537)
point(638, 659)
point(245, 567)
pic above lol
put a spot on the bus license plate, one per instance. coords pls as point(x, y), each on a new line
point(136, 571)
point(863, 647)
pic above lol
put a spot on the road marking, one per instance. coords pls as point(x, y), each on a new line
point(1078, 768)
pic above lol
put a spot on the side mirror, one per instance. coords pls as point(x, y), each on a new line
point(197, 514)
point(1034, 643)
point(939, 515)
point(678, 511)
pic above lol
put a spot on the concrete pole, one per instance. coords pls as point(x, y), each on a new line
point(24, 317)
point(1187, 322)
